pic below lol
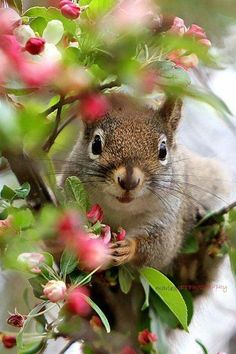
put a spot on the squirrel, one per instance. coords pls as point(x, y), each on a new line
point(131, 164)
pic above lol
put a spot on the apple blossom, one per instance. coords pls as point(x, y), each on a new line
point(69, 223)
point(23, 33)
point(95, 214)
point(35, 45)
point(76, 301)
point(184, 61)
point(93, 106)
point(198, 33)
point(53, 32)
point(31, 261)
point(146, 337)
point(55, 290)
point(8, 341)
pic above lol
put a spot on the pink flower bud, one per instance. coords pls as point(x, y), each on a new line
point(93, 106)
point(196, 31)
point(31, 261)
point(146, 337)
point(35, 45)
point(8, 341)
point(9, 20)
point(128, 350)
point(106, 234)
point(121, 234)
point(92, 252)
point(69, 9)
point(178, 26)
point(16, 320)
point(95, 214)
point(55, 290)
point(183, 61)
point(76, 302)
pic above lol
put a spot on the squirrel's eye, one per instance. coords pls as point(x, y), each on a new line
point(162, 151)
point(97, 145)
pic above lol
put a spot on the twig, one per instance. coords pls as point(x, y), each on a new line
point(71, 342)
point(65, 123)
point(72, 99)
point(47, 145)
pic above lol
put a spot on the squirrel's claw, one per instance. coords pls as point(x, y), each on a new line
point(121, 252)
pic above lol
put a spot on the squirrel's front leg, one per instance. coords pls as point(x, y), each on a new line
point(155, 247)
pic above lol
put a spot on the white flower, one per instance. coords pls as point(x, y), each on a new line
point(53, 32)
point(55, 290)
point(23, 34)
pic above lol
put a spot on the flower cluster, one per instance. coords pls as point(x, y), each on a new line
point(181, 57)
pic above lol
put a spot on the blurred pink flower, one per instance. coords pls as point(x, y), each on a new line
point(55, 290)
point(178, 26)
point(95, 214)
point(92, 253)
point(198, 33)
point(146, 337)
point(9, 20)
point(93, 106)
point(76, 301)
point(5, 224)
point(69, 223)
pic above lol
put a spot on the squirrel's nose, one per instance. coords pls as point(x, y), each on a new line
point(128, 183)
point(129, 178)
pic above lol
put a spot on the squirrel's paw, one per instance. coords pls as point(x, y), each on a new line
point(122, 251)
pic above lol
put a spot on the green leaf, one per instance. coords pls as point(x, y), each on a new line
point(190, 245)
point(15, 3)
point(98, 8)
point(23, 191)
point(146, 289)
point(99, 312)
point(38, 25)
point(32, 348)
point(68, 262)
point(22, 218)
point(168, 293)
point(37, 285)
point(187, 296)
point(125, 279)
point(232, 256)
point(49, 14)
point(75, 192)
point(7, 193)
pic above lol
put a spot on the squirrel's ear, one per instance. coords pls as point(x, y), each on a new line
point(170, 112)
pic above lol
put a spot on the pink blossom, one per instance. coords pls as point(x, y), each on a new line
point(93, 106)
point(106, 234)
point(95, 214)
point(146, 337)
point(9, 20)
point(35, 45)
point(31, 261)
point(69, 223)
point(198, 32)
point(181, 60)
point(128, 350)
point(76, 301)
point(5, 224)
point(55, 290)
point(92, 252)
point(178, 26)
point(37, 74)
point(121, 234)
point(69, 9)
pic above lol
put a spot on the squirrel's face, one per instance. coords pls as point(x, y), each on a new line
point(125, 151)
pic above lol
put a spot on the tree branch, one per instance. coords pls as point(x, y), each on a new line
point(212, 217)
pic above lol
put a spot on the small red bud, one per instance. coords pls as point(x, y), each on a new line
point(8, 341)
point(35, 45)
